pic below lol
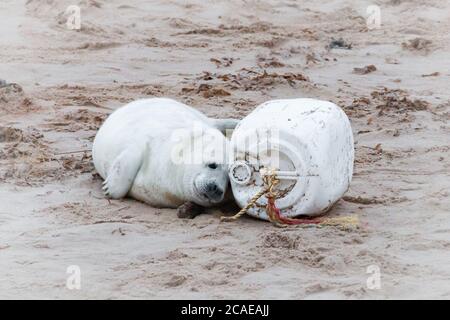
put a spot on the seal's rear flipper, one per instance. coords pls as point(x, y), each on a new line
point(225, 124)
point(122, 173)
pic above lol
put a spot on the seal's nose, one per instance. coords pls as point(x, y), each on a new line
point(213, 192)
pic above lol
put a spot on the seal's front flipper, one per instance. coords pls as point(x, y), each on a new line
point(225, 124)
point(189, 210)
point(122, 173)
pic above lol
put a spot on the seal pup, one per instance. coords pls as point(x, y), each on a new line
point(164, 153)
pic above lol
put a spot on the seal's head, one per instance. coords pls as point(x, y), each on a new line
point(202, 158)
point(210, 184)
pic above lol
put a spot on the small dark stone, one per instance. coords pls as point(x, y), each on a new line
point(340, 44)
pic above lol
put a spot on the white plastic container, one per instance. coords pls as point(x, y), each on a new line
point(308, 142)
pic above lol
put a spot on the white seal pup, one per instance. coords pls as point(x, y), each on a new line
point(164, 153)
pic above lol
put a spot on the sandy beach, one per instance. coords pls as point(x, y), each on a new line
point(223, 57)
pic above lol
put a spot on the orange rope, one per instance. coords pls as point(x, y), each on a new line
point(275, 215)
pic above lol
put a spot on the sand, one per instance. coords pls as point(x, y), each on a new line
point(224, 58)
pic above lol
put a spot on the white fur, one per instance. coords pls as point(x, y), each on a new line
point(134, 150)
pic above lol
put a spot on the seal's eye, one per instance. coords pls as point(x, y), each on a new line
point(212, 165)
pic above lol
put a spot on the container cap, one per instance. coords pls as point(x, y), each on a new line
point(247, 169)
